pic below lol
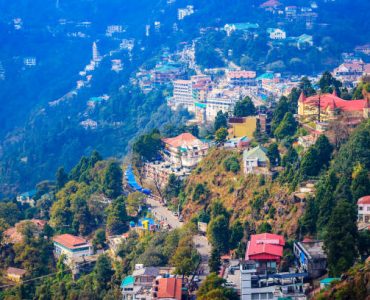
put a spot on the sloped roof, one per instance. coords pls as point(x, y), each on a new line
point(364, 200)
point(265, 246)
point(258, 152)
point(15, 271)
point(332, 102)
point(183, 140)
point(169, 288)
point(147, 271)
point(70, 241)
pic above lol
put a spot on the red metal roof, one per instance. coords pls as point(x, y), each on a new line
point(265, 246)
point(184, 139)
point(70, 241)
point(332, 101)
point(364, 200)
point(169, 288)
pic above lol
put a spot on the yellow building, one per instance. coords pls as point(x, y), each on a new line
point(15, 274)
point(244, 126)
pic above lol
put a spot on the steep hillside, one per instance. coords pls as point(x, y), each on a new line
point(251, 198)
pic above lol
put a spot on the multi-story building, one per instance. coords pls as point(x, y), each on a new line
point(328, 107)
point(259, 276)
point(310, 257)
point(73, 247)
point(242, 126)
point(184, 150)
point(241, 78)
point(167, 289)
point(363, 209)
point(184, 12)
point(166, 73)
point(183, 94)
point(350, 72)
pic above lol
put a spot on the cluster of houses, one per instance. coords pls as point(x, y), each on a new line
point(179, 156)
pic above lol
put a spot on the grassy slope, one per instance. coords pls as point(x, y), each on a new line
point(238, 193)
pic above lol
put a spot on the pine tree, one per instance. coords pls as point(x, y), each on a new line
point(218, 233)
point(117, 217)
point(244, 108)
point(287, 127)
point(324, 150)
point(220, 120)
point(273, 154)
point(341, 238)
point(112, 185)
point(214, 261)
point(61, 177)
point(360, 183)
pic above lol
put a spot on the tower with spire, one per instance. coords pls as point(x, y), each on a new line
point(96, 58)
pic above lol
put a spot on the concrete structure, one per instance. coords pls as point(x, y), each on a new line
point(363, 209)
point(73, 247)
point(255, 161)
point(310, 257)
point(15, 274)
point(184, 150)
point(27, 198)
point(184, 12)
point(276, 34)
point(183, 94)
point(259, 276)
point(242, 126)
point(241, 78)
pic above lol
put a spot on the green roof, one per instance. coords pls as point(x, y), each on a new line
point(266, 76)
point(329, 280)
point(129, 280)
point(258, 152)
point(201, 105)
point(246, 26)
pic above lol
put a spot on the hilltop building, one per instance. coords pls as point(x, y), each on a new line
point(327, 107)
point(256, 161)
point(167, 288)
point(184, 150)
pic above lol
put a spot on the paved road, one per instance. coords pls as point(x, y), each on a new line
point(163, 213)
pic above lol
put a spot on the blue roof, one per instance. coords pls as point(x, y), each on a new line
point(132, 181)
point(129, 280)
point(28, 194)
point(150, 221)
point(245, 26)
point(267, 75)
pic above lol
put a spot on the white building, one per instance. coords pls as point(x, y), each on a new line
point(276, 34)
point(241, 78)
point(184, 12)
point(220, 100)
point(183, 94)
point(73, 247)
point(363, 209)
point(184, 150)
point(111, 29)
point(27, 198)
point(30, 61)
point(255, 160)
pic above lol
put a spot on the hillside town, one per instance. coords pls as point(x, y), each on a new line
point(217, 159)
